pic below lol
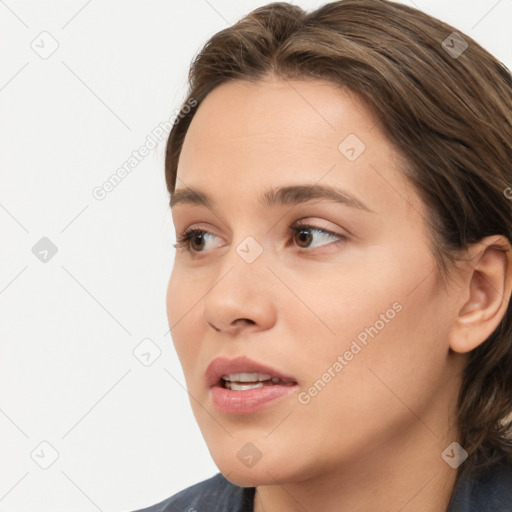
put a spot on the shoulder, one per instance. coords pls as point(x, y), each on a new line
point(216, 494)
point(490, 492)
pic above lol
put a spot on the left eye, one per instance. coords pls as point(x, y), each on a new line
point(304, 232)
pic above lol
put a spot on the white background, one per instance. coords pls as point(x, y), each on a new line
point(124, 432)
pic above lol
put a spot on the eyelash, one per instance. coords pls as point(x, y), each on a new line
point(183, 242)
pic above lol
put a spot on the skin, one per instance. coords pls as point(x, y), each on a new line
point(372, 438)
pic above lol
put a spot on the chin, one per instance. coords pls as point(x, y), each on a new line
point(265, 471)
point(248, 477)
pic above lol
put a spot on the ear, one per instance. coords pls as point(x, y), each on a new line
point(487, 284)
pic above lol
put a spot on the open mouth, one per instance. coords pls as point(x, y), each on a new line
point(244, 386)
point(244, 381)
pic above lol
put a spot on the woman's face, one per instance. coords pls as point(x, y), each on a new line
point(348, 309)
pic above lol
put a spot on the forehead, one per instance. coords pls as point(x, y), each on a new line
point(274, 111)
point(247, 135)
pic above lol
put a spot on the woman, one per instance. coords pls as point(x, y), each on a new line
point(340, 296)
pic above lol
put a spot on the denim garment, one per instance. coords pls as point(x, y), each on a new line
point(492, 492)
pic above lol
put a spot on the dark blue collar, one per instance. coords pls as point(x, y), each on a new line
point(489, 492)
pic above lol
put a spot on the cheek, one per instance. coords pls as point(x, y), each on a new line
point(389, 340)
point(392, 348)
point(387, 300)
point(184, 315)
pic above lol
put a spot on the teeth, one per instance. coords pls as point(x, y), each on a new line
point(243, 381)
point(242, 387)
point(249, 377)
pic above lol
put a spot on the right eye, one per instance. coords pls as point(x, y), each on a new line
point(193, 236)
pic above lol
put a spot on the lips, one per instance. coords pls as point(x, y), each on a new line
point(221, 367)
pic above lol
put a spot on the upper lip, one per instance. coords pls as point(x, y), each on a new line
point(223, 366)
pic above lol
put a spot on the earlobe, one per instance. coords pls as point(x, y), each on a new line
point(486, 291)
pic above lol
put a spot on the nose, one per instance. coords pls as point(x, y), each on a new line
point(234, 326)
point(242, 299)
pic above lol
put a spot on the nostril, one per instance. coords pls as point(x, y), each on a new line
point(247, 320)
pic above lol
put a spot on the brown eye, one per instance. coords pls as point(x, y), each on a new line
point(304, 237)
point(193, 240)
point(197, 241)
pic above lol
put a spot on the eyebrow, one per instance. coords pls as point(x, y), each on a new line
point(278, 196)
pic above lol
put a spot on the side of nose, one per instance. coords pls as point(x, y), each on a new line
point(242, 298)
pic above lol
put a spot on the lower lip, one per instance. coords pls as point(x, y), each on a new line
point(248, 400)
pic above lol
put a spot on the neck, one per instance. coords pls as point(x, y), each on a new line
point(407, 474)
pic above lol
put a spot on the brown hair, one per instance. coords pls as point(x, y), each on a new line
point(447, 108)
